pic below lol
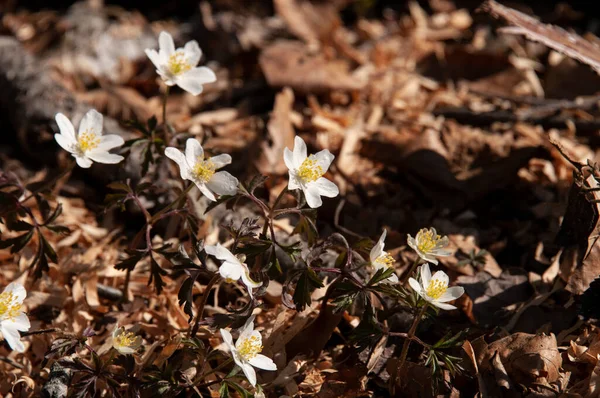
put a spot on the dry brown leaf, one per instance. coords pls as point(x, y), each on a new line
point(289, 63)
point(281, 133)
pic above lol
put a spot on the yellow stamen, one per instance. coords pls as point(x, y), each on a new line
point(385, 259)
point(427, 240)
point(9, 306)
point(178, 64)
point(125, 339)
point(203, 170)
point(436, 288)
point(250, 347)
point(309, 170)
point(88, 140)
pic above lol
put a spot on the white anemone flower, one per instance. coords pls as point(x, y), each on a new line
point(429, 245)
point(88, 145)
point(178, 66)
point(233, 268)
point(246, 351)
point(203, 172)
point(12, 317)
point(382, 259)
point(125, 342)
point(306, 173)
point(434, 289)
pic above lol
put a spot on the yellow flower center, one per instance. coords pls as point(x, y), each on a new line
point(385, 259)
point(309, 170)
point(427, 240)
point(88, 140)
point(436, 288)
point(178, 64)
point(125, 339)
point(250, 347)
point(203, 170)
point(9, 306)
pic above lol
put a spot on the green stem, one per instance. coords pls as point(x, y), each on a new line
point(409, 337)
point(207, 290)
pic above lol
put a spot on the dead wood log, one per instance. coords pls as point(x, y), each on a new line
point(29, 100)
point(57, 385)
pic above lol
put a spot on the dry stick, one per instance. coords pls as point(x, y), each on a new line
point(410, 336)
point(207, 290)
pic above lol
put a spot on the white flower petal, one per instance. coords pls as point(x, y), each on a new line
point(18, 291)
point(222, 253)
point(443, 306)
point(205, 191)
point(192, 52)
point(64, 142)
point(312, 198)
point(227, 339)
point(223, 183)
point(193, 151)
point(12, 337)
point(178, 157)
point(415, 285)
point(325, 188)
point(110, 141)
point(263, 362)
point(165, 43)
point(65, 127)
point(324, 159)
point(20, 322)
point(83, 162)
point(394, 278)
point(293, 181)
point(231, 271)
point(299, 154)
point(452, 293)
point(377, 249)
point(412, 243)
point(248, 327)
point(154, 57)
point(250, 284)
point(425, 275)
point(221, 160)
point(441, 277)
point(194, 80)
point(429, 258)
point(249, 372)
point(104, 157)
point(248, 332)
point(288, 158)
point(92, 121)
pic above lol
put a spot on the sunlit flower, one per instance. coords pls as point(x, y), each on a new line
point(12, 317)
point(125, 342)
point(203, 172)
point(178, 66)
point(233, 268)
point(429, 245)
point(246, 351)
point(88, 145)
point(306, 173)
point(382, 259)
point(435, 289)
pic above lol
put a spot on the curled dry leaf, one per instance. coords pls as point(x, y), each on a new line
point(526, 358)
